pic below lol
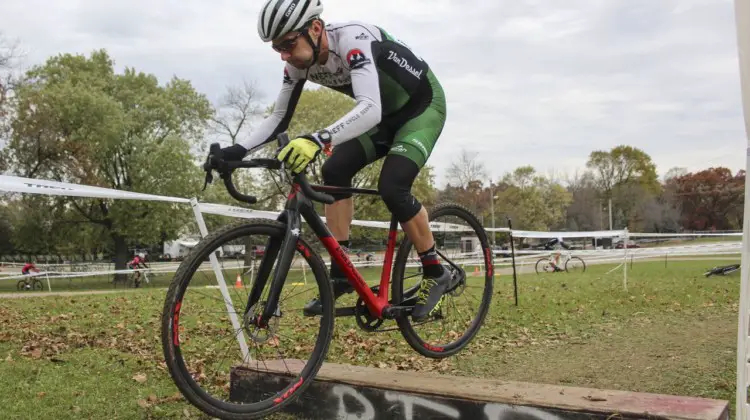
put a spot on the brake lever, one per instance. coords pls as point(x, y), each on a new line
point(208, 180)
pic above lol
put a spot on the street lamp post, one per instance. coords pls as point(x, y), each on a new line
point(492, 210)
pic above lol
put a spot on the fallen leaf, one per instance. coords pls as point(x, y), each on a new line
point(143, 403)
point(139, 377)
point(36, 353)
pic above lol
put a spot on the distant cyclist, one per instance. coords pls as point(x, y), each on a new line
point(556, 244)
point(26, 270)
point(29, 267)
point(137, 262)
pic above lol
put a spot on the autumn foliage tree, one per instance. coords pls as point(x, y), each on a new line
point(711, 199)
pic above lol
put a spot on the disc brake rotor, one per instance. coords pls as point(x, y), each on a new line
point(256, 333)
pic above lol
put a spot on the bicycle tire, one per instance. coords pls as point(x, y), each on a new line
point(36, 284)
point(541, 260)
point(404, 323)
point(21, 285)
point(189, 388)
point(583, 263)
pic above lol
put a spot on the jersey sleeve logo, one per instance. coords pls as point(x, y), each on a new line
point(357, 59)
point(287, 79)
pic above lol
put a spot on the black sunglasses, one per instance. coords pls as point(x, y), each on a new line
point(286, 45)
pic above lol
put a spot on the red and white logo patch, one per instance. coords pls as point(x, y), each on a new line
point(356, 59)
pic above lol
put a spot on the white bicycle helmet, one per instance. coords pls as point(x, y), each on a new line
point(279, 17)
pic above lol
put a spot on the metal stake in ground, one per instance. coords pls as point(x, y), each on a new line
point(513, 259)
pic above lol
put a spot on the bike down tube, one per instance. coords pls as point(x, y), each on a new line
point(374, 304)
point(222, 284)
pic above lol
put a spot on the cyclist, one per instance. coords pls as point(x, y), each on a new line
point(556, 244)
point(29, 267)
point(399, 114)
point(137, 261)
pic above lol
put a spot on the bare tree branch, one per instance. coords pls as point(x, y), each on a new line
point(236, 108)
point(466, 169)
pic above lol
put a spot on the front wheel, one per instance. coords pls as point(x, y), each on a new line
point(575, 265)
point(463, 248)
point(210, 348)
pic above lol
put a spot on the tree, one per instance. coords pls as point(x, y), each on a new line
point(584, 212)
point(674, 173)
point(237, 107)
point(618, 170)
point(532, 201)
point(465, 169)
point(710, 199)
point(77, 121)
point(6, 229)
point(9, 56)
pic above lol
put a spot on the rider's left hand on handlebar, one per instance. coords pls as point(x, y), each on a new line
point(303, 150)
point(234, 152)
point(216, 155)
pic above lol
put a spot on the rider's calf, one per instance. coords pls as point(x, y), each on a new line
point(395, 184)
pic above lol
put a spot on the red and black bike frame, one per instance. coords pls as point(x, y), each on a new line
point(298, 206)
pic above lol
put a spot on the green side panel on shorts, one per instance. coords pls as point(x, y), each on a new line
point(416, 139)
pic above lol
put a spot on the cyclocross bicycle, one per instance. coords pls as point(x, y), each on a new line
point(253, 326)
point(30, 284)
point(569, 262)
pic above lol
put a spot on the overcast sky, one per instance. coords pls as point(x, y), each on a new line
point(528, 82)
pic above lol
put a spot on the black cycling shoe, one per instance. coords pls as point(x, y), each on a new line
point(430, 295)
point(341, 287)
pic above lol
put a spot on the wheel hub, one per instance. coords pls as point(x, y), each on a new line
point(264, 332)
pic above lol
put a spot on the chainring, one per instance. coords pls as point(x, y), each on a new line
point(364, 319)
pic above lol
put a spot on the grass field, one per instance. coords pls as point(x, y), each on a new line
point(674, 331)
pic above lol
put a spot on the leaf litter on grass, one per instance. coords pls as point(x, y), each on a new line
point(557, 335)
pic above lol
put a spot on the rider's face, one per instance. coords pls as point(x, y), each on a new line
point(294, 48)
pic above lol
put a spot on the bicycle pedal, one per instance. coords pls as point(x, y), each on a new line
point(393, 312)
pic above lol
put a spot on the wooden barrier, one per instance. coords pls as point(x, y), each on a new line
point(353, 392)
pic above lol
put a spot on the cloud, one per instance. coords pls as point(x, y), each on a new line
point(527, 82)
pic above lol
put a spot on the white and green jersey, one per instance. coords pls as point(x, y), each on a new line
point(365, 62)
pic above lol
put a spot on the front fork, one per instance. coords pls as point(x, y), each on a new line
point(281, 251)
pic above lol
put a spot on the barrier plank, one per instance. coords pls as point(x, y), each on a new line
point(355, 392)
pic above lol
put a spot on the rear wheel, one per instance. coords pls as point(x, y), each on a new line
point(575, 265)
point(462, 245)
point(37, 285)
point(204, 348)
point(543, 266)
